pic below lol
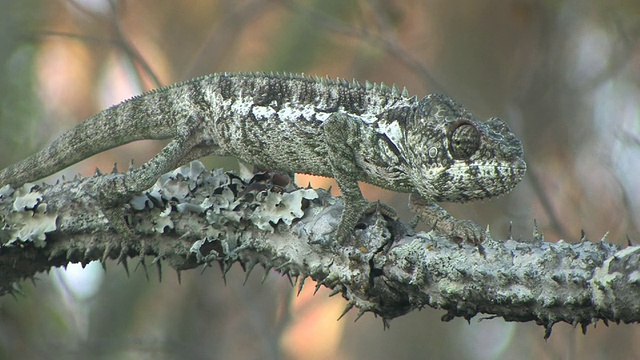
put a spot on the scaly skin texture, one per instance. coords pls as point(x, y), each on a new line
point(431, 147)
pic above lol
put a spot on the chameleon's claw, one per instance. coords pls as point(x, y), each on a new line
point(354, 212)
point(382, 208)
point(460, 230)
point(413, 223)
point(343, 234)
point(434, 216)
point(467, 231)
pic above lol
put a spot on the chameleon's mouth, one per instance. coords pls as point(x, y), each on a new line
point(521, 168)
point(463, 182)
point(502, 178)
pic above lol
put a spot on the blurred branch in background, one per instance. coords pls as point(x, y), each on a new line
point(378, 35)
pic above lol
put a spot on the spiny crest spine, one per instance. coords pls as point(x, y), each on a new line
point(395, 91)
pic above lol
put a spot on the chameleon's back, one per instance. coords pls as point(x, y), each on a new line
point(266, 119)
point(275, 120)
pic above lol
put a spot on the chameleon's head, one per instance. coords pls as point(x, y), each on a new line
point(452, 156)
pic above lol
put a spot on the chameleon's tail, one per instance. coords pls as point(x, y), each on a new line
point(136, 119)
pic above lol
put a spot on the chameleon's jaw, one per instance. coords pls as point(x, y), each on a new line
point(464, 182)
point(514, 174)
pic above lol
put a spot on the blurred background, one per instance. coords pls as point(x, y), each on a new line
point(565, 75)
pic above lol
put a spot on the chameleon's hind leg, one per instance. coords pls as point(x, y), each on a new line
point(116, 189)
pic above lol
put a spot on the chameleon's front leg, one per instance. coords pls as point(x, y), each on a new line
point(342, 138)
point(438, 218)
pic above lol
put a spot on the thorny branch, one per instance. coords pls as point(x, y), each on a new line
point(193, 217)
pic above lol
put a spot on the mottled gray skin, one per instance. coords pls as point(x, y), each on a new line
point(432, 147)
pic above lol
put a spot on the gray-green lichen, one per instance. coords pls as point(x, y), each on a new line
point(275, 207)
point(227, 208)
point(28, 220)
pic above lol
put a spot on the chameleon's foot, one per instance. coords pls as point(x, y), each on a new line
point(116, 216)
point(112, 200)
point(352, 213)
point(382, 208)
point(463, 231)
point(438, 219)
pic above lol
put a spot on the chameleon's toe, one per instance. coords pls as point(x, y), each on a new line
point(354, 213)
point(467, 231)
point(461, 231)
point(382, 208)
point(344, 234)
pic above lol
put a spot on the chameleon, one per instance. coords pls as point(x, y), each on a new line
point(432, 147)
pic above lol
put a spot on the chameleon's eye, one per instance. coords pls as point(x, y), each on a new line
point(464, 141)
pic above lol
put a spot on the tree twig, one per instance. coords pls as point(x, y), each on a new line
point(193, 218)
